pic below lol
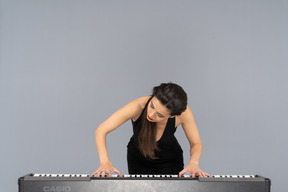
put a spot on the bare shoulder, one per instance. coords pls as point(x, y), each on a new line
point(139, 105)
point(141, 101)
point(186, 116)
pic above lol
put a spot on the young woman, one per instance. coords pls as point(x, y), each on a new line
point(153, 148)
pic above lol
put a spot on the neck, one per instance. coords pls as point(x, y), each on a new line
point(162, 123)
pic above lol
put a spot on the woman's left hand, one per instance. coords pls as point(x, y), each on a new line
point(194, 170)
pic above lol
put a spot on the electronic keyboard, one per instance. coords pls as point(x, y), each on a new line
point(142, 183)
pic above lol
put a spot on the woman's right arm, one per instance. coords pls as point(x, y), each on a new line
point(130, 111)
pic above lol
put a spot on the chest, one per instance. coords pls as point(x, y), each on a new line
point(167, 128)
point(159, 131)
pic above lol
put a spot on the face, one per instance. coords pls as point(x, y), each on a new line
point(157, 112)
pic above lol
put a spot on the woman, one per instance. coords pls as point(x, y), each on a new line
point(153, 148)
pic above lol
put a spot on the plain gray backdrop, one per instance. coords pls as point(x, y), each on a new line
point(67, 65)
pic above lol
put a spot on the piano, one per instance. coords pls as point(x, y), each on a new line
point(142, 183)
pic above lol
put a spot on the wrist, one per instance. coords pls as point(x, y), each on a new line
point(193, 163)
point(104, 161)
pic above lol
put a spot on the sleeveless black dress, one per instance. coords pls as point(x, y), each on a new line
point(169, 158)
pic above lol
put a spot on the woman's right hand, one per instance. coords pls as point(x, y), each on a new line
point(106, 169)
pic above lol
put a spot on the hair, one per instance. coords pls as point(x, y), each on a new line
point(174, 98)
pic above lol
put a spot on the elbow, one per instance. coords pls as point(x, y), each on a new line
point(197, 145)
point(99, 131)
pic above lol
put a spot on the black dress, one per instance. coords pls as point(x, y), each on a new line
point(169, 158)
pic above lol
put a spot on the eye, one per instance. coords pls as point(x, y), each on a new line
point(161, 116)
point(152, 106)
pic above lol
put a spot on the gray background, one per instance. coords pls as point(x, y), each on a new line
point(68, 65)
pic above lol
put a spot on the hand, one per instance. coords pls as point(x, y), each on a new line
point(106, 169)
point(194, 170)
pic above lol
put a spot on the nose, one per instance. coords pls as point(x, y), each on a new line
point(152, 114)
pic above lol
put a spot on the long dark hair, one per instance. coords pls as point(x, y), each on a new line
point(174, 98)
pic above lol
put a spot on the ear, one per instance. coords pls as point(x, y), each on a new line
point(172, 116)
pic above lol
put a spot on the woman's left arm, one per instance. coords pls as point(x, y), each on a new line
point(190, 128)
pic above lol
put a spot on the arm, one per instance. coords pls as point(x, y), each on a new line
point(129, 111)
point(192, 134)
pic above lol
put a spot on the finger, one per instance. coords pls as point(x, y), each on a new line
point(181, 173)
point(118, 172)
point(193, 175)
point(201, 174)
point(204, 174)
point(109, 174)
point(102, 174)
point(95, 173)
